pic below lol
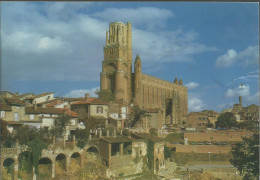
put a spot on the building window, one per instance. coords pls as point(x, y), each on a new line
point(16, 116)
point(99, 109)
point(31, 116)
point(140, 152)
point(2, 114)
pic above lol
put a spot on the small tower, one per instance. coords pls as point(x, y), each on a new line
point(180, 82)
point(176, 81)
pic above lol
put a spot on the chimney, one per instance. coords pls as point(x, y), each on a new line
point(240, 101)
point(87, 96)
point(35, 106)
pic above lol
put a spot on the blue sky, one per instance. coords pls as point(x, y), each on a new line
point(58, 47)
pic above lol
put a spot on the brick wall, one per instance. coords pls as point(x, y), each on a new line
point(227, 136)
point(200, 148)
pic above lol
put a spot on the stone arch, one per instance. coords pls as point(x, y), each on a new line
point(124, 67)
point(75, 161)
point(91, 153)
point(61, 163)
point(8, 168)
point(111, 68)
point(45, 167)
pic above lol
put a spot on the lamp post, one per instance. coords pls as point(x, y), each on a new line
point(209, 158)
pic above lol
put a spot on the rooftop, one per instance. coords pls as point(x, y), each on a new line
point(5, 107)
point(91, 100)
point(14, 101)
point(118, 139)
point(147, 137)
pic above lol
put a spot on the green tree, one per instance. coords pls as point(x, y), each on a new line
point(60, 126)
point(36, 145)
point(226, 120)
point(105, 95)
point(125, 132)
point(81, 136)
point(150, 154)
point(167, 152)
point(245, 156)
point(6, 139)
point(251, 124)
point(136, 114)
point(153, 132)
point(36, 140)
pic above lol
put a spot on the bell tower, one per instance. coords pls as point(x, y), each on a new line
point(117, 64)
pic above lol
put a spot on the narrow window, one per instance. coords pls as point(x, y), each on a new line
point(99, 109)
point(31, 116)
point(16, 116)
point(2, 114)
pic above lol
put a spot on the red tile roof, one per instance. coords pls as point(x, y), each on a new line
point(5, 107)
point(92, 100)
point(54, 103)
point(40, 110)
point(68, 112)
point(43, 94)
point(50, 110)
point(14, 101)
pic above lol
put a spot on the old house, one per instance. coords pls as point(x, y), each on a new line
point(158, 162)
point(6, 94)
point(39, 99)
point(118, 113)
point(197, 119)
point(204, 119)
point(12, 111)
point(90, 108)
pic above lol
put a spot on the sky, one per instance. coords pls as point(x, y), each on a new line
point(58, 47)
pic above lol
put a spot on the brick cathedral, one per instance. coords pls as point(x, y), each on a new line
point(147, 92)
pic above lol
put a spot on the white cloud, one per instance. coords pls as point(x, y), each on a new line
point(144, 17)
point(251, 76)
point(241, 90)
point(59, 41)
point(247, 57)
point(195, 104)
point(167, 46)
point(253, 99)
point(225, 106)
point(192, 85)
point(81, 92)
point(227, 59)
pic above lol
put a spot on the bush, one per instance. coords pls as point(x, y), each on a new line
point(175, 138)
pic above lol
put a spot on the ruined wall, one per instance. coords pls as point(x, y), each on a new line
point(200, 148)
point(124, 165)
point(218, 136)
